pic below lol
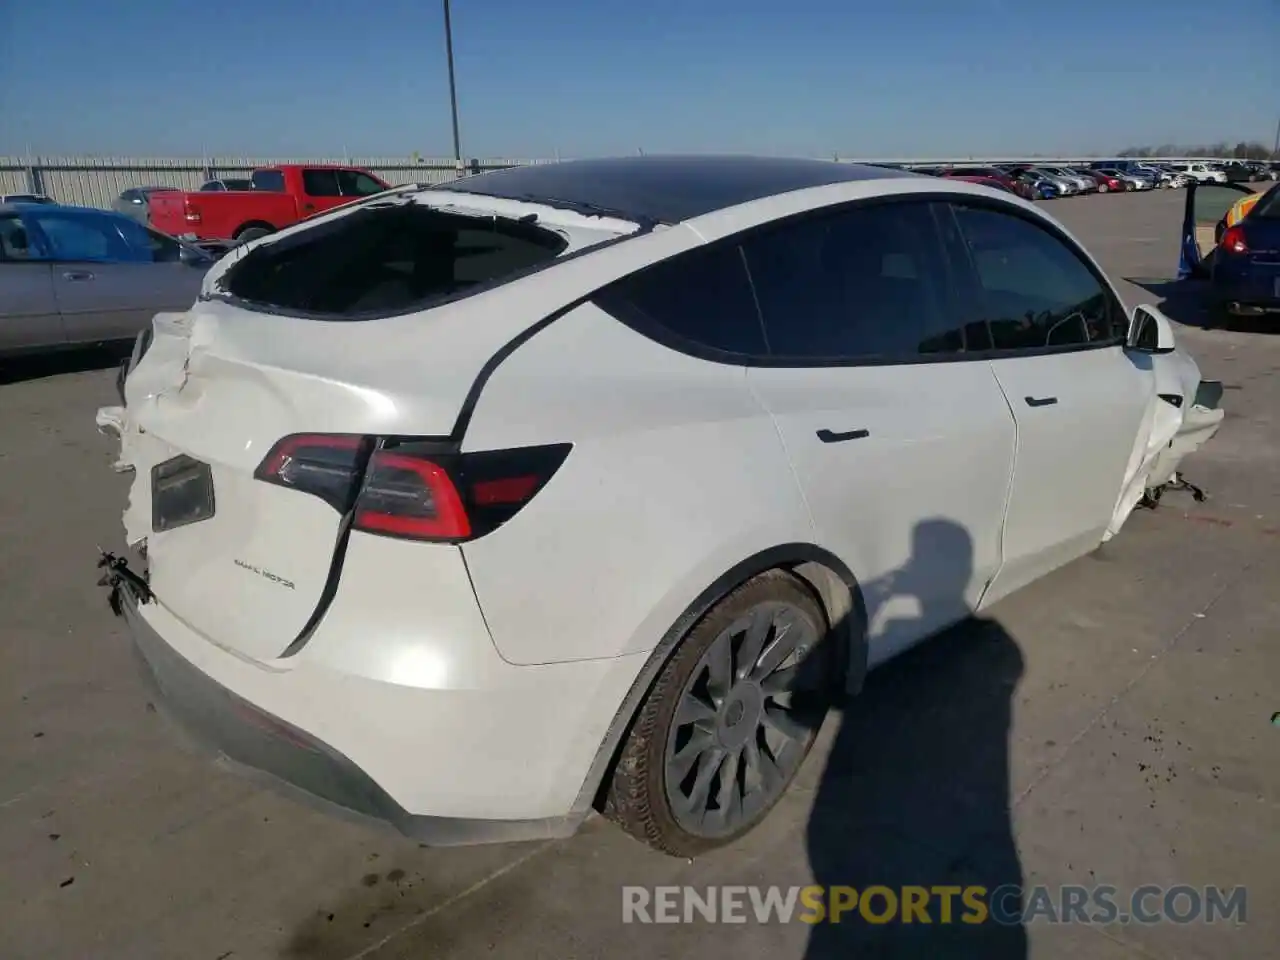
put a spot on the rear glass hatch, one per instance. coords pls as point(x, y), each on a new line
point(388, 258)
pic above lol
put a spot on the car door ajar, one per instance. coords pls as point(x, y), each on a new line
point(902, 446)
point(1079, 399)
point(1205, 206)
point(28, 308)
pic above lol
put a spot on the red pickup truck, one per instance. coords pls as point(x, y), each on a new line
point(281, 196)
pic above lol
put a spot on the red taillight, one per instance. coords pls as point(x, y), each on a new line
point(409, 496)
point(190, 213)
point(412, 489)
point(325, 465)
point(1233, 240)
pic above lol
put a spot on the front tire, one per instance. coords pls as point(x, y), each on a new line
point(1103, 188)
point(729, 719)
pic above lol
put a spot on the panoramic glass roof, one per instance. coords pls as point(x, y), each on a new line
point(662, 189)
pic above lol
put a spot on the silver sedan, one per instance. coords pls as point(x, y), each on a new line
point(71, 276)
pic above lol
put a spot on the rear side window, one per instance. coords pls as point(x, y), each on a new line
point(869, 282)
point(271, 180)
point(148, 245)
point(388, 260)
point(1268, 208)
point(321, 183)
point(353, 183)
point(701, 299)
point(1033, 290)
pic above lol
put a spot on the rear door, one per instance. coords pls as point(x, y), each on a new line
point(1057, 333)
point(321, 191)
point(901, 442)
point(28, 309)
point(1203, 222)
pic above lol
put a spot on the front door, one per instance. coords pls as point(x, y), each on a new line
point(902, 446)
point(28, 311)
point(1057, 333)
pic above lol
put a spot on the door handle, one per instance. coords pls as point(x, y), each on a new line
point(77, 275)
point(1041, 401)
point(830, 436)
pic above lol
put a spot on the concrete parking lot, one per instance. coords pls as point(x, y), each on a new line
point(1109, 725)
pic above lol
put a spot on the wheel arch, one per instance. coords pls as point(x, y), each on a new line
point(253, 225)
point(835, 587)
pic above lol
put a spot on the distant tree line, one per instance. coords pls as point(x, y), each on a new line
point(1252, 150)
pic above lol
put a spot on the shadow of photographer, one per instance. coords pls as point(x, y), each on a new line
point(915, 791)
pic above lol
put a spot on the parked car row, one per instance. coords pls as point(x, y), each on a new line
point(1046, 181)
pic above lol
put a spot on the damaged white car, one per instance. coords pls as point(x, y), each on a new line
point(473, 507)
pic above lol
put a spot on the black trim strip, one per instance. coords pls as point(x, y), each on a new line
point(830, 436)
point(1041, 401)
point(334, 577)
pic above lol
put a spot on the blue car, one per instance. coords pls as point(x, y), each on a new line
point(1238, 254)
point(1043, 187)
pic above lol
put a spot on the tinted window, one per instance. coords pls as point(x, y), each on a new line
point(272, 180)
point(15, 244)
point(1268, 208)
point(1033, 290)
point(148, 245)
point(702, 298)
point(861, 283)
point(353, 183)
point(321, 183)
point(212, 186)
point(83, 237)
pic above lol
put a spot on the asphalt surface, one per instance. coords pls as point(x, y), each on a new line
point(1109, 725)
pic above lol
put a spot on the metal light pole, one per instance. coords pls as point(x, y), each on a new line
point(453, 92)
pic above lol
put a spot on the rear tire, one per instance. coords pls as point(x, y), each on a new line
point(251, 233)
point(729, 720)
point(1103, 188)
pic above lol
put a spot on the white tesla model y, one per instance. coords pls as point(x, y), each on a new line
point(471, 507)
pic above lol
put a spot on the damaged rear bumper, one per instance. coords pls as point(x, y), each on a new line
point(268, 750)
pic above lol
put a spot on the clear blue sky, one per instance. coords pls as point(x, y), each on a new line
point(591, 77)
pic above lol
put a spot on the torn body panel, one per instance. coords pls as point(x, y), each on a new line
point(1182, 414)
point(222, 386)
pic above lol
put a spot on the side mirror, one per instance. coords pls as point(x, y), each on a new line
point(1150, 331)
